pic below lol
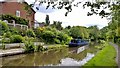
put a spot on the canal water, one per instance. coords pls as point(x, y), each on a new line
point(73, 56)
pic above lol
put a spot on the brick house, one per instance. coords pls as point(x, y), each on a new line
point(17, 8)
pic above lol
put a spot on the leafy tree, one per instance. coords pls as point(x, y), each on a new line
point(103, 32)
point(63, 38)
point(75, 32)
point(57, 25)
point(68, 27)
point(94, 32)
point(68, 5)
point(66, 31)
point(79, 31)
point(114, 24)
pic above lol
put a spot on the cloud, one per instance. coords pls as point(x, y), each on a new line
point(77, 17)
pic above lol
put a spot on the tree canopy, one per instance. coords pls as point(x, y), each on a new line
point(96, 6)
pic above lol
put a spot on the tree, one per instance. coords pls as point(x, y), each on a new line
point(68, 27)
point(47, 20)
point(57, 25)
point(79, 32)
point(94, 5)
point(103, 32)
point(75, 32)
point(94, 32)
point(114, 24)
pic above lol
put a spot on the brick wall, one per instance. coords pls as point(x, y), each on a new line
point(12, 7)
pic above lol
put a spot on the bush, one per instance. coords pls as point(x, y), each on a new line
point(29, 46)
point(6, 37)
point(101, 41)
point(38, 32)
point(14, 31)
point(57, 41)
point(64, 38)
point(3, 27)
point(38, 48)
point(48, 36)
point(22, 32)
point(8, 34)
point(52, 35)
point(30, 33)
point(16, 39)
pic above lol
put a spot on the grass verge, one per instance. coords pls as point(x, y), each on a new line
point(105, 57)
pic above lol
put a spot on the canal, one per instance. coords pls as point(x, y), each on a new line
point(73, 56)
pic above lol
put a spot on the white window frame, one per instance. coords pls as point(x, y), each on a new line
point(17, 13)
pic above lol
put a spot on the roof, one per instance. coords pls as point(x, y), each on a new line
point(31, 7)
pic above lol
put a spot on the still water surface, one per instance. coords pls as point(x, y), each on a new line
point(73, 56)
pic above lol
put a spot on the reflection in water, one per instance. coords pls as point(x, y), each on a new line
point(37, 59)
point(73, 62)
point(67, 56)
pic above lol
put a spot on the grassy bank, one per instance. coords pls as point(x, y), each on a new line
point(105, 57)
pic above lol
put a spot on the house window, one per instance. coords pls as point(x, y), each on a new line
point(18, 13)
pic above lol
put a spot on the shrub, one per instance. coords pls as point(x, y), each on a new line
point(14, 31)
point(64, 38)
point(101, 41)
point(38, 48)
point(52, 35)
point(48, 36)
point(57, 41)
point(29, 46)
point(8, 34)
point(22, 32)
point(38, 32)
point(3, 40)
point(30, 33)
point(16, 39)
point(3, 27)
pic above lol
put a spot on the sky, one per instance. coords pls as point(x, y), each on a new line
point(77, 17)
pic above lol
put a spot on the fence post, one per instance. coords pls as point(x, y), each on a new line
point(13, 23)
point(21, 26)
point(27, 27)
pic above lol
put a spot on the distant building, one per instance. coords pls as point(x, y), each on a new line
point(17, 8)
point(38, 24)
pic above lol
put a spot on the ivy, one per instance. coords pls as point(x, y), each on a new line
point(18, 20)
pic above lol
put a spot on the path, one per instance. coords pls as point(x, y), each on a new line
point(118, 55)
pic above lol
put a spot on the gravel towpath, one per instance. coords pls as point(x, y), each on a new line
point(118, 53)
